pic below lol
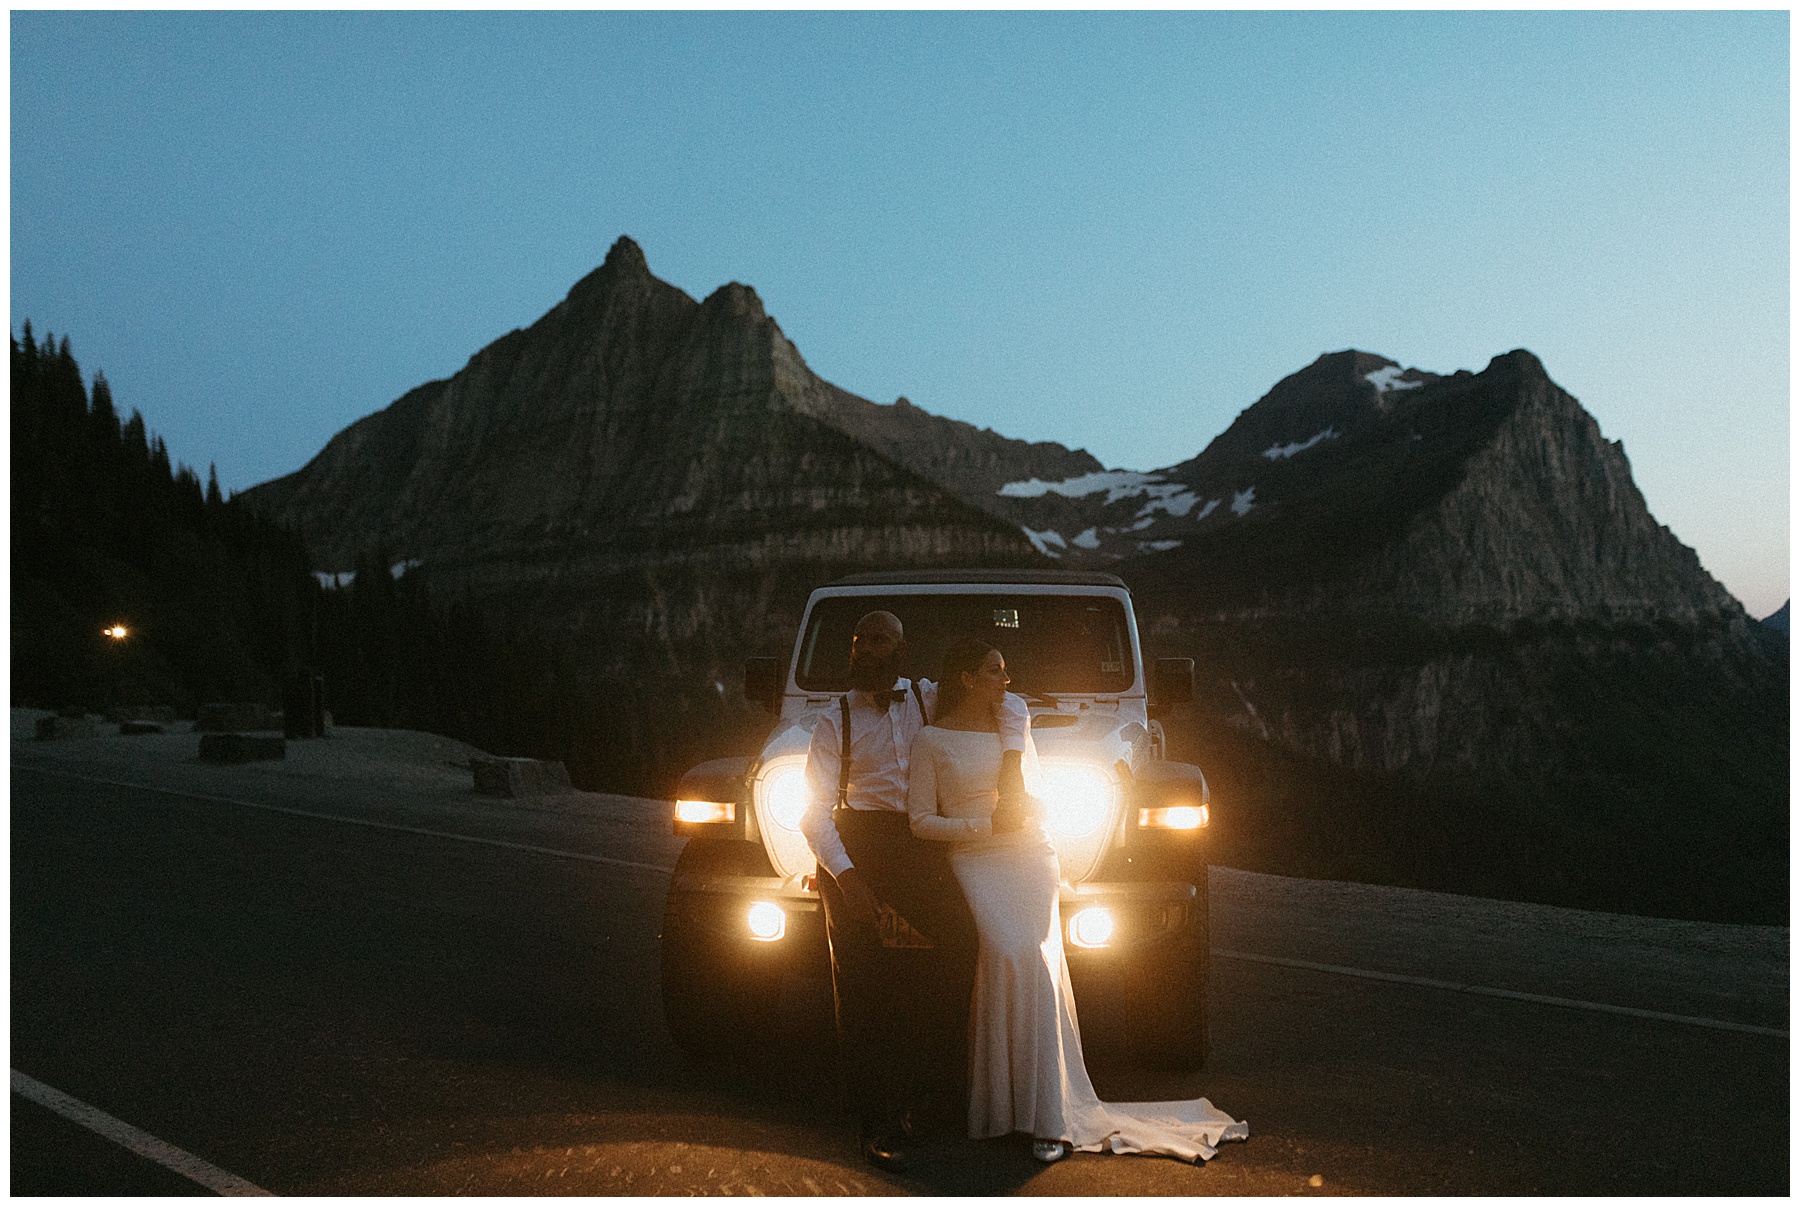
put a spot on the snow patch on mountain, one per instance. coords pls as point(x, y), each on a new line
point(1243, 501)
point(1277, 451)
point(1043, 540)
point(1208, 509)
point(1156, 546)
point(1388, 378)
point(1088, 539)
point(343, 578)
point(1117, 483)
point(1173, 498)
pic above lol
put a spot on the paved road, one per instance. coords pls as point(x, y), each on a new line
point(330, 1008)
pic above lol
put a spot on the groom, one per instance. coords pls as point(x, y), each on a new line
point(902, 940)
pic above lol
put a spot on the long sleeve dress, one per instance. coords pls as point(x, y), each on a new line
point(1026, 1071)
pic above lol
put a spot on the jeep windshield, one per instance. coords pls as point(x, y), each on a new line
point(1053, 644)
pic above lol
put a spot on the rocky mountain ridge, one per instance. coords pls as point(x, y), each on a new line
point(636, 458)
point(1356, 485)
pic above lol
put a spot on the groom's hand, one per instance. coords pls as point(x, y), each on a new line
point(860, 899)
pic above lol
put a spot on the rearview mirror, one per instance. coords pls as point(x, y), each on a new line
point(762, 682)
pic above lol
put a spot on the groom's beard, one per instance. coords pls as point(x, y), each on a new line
point(874, 674)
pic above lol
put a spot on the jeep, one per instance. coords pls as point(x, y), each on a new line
point(744, 953)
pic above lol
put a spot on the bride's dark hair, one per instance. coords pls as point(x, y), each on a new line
point(964, 654)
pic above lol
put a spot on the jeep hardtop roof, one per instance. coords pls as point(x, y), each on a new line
point(1055, 578)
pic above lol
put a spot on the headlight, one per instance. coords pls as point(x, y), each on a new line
point(1092, 927)
point(1078, 798)
point(767, 921)
point(1173, 817)
point(705, 811)
point(786, 797)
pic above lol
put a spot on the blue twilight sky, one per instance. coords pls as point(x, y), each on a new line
point(1112, 230)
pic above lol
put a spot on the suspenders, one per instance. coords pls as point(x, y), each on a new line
point(843, 801)
point(844, 758)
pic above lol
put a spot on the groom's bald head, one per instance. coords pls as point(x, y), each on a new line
point(876, 645)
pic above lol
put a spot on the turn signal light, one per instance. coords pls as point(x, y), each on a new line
point(1173, 817)
point(705, 810)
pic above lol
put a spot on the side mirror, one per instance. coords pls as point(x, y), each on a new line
point(762, 682)
point(1173, 682)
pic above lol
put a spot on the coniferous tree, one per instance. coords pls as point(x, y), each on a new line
point(224, 605)
point(218, 601)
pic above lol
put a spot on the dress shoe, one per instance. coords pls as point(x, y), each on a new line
point(1049, 1151)
point(886, 1149)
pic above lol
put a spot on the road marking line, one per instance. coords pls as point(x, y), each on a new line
point(356, 821)
point(1513, 994)
point(140, 1142)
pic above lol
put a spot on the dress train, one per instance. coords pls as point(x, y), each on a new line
point(1027, 1073)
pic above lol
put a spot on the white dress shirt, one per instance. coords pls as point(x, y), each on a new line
point(880, 742)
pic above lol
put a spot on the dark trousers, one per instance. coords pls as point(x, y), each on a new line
point(902, 1012)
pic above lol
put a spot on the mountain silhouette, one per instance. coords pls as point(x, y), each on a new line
point(636, 458)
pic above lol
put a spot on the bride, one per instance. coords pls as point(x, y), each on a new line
point(1026, 1072)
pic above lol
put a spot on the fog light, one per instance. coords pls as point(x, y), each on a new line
point(767, 922)
point(705, 810)
point(1092, 927)
point(1174, 817)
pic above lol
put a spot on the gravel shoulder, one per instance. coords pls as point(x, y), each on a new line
point(394, 776)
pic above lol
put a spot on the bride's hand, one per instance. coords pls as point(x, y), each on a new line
point(1013, 805)
point(1010, 812)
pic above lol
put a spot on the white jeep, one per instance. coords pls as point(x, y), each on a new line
point(743, 945)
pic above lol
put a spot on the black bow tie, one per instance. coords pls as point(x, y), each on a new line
point(889, 699)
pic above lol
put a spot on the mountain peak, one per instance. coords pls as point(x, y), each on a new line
point(628, 424)
point(625, 256)
point(1470, 499)
point(1521, 361)
point(1336, 395)
point(734, 297)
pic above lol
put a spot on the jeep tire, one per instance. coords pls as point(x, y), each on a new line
point(1167, 1020)
point(703, 1003)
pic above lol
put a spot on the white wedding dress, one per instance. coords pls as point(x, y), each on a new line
point(1026, 1071)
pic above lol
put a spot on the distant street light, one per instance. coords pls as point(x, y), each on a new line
point(116, 633)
